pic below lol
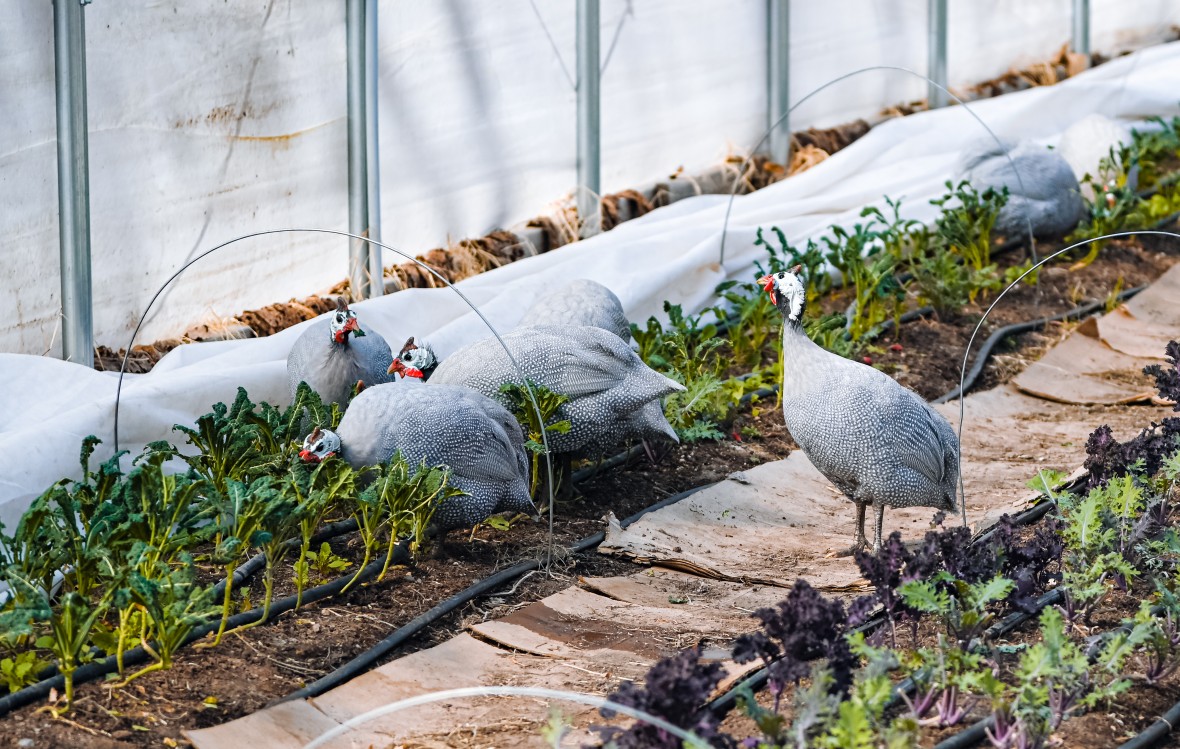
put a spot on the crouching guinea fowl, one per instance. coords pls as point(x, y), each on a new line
point(472, 435)
point(331, 364)
point(611, 391)
point(879, 443)
point(1045, 196)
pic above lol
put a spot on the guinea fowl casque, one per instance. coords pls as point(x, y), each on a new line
point(609, 387)
point(1047, 195)
point(877, 442)
point(581, 302)
point(472, 435)
point(333, 365)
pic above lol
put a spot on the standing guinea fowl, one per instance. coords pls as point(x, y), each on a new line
point(1047, 195)
point(333, 365)
point(581, 302)
point(610, 389)
point(473, 436)
point(878, 442)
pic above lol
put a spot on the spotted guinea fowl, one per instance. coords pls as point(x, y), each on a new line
point(581, 302)
point(611, 391)
point(333, 365)
point(879, 443)
point(472, 435)
point(1047, 195)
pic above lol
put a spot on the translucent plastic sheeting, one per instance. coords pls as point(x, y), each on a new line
point(49, 405)
point(209, 120)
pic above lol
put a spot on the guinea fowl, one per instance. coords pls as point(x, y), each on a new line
point(611, 391)
point(877, 442)
point(472, 435)
point(331, 364)
point(581, 302)
point(1047, 194)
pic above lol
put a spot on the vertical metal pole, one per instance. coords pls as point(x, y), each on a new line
point(373, 151)
point(73, 181)
point(936, 49)
point(589, 152)
point(778, 79)
point(358, 180)
point(1081, 26)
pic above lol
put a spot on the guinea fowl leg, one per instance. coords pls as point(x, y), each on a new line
point(880, 519)
point(860, 541)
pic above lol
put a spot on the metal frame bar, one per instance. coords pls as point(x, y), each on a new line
point(778, 79)
point(373, 150)
point(588, 130)
point(1081, 27)
point(73, 181)
point(358, 179)
point(936, 22)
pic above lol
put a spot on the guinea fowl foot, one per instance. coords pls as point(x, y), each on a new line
point(851, 550)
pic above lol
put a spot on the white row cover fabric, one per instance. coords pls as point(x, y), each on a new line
point(670, 254)
point(211, 120)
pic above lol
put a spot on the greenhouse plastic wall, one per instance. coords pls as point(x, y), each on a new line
point(212, 120)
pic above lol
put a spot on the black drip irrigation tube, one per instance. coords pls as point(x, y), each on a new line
point(369, 658)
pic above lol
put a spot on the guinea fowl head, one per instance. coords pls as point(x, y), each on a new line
point(320, 445)
point(786, 291)
point(344, 322)
point(415, 360)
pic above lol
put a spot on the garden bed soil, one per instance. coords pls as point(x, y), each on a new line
point(253, 668)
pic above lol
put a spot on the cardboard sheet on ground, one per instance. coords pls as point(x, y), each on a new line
point(784, 520)
point(1102, 361)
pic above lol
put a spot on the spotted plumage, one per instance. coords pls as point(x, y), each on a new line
point(608, 385)
point(580, 302)
point(877, 442)
point(334, 354)
point(1047, 195)
point(475, 437)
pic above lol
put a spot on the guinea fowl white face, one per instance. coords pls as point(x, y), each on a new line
point(414, 360)
point(344, 322)
point(320, 445)
point(785, 285)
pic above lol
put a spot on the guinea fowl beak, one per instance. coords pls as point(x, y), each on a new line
point(397, 368)
point(308, 456)
point(352, 326)
point(767, 284)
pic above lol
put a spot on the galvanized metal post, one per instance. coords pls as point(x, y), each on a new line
point(589, 153)
point(936, 49)
point(372, 148)
point(1081, 26)
point(358, 179)
point(73, 181)
point(778, 79)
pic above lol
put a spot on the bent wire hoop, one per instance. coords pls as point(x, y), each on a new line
point(746, 162)
point(291, 230)
point(967, 352)
point(691, 740)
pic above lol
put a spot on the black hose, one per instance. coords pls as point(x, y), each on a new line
point(1023, 327)
point(135, 656)
point(367, 659)
point(1157, 732)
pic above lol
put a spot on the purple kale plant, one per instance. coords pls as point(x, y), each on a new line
point(804, 627)
point(1107, 458)
point(675, 689)
point(1031, 565)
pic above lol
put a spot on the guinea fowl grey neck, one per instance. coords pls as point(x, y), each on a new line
point(877, 442)
point(610, 389)
point(334, 356)
point(472, 435)
point(580, 302)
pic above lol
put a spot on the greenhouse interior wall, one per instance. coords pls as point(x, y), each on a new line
point(208, 121)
